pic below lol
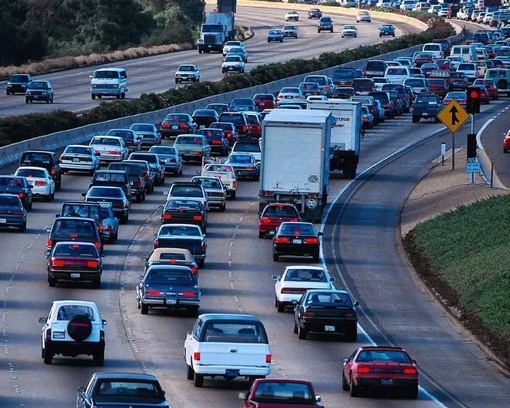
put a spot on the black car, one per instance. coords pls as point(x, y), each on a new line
point(43, 158)
point(12, 212)
point(132, 140)
point(386, 102)
point(216, 139)
point(114, 195)
point(218, 107)
point(326, 311)
point(204, 117)
point(344, 76)
point(148, 175)
point(386, 29)
point(325, 24)
point(17, 185)
point(169, 287)
point(296, 239)
point(110, 223)
point(175, 124)
point(39, 91)
point(73, 229)
point(343, 92)
point(17, 83)
point(239, 120)
point(184, 211)
point(114, 388)
point(135, 176)
point(157, 165)
point(85, 210)
point(115, 178)
point(314, 13)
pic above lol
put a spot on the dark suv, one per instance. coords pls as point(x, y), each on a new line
point(344, 76)
point(17, 185)
point(386, 102)
point(17, 83)
point(375, 68)
point(157, 165)
point(325, 24)
point(239, 120)
point(135, 177)
point(115, 178)
point(85, 210)
point(74, 229)
point(46, 159)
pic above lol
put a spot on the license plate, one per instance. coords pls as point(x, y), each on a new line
point(231, 68)
point(386, 381)
point(329, 328)
point(75, 275)
point(171, 301)
point(76, 159)
point(262, 104)
point(296, 241)
point(232, 373)
point(3, 220)
point(175, 127)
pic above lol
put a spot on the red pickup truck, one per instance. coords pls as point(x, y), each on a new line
point(280, 393)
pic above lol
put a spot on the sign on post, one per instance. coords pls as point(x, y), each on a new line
point(453, 116)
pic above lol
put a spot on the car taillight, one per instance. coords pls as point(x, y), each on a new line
point(245, 129)
point(101, 227)
point(101, 336)
point(40, 183)
point(282, 240)
point(114, 152)
point(410, 371)
point(265, 220)
point(92, 264)
point(49, 243)
point(189, 294)
point(234, 184)
point(58, 263)
point(193, 269)
point(309, 314)
point(196, 356)
point(363, 370)
point(167, 216)
point(53, 172)
point(21, 195)
point(293, 290)
point(156, 243)
point(47, 335)
point(365, 118)
point(268, 358)
point(153, 292)
point(216, 142)
point(97, 244)
point(110, 228)
point(197, 217)
point(184, 126)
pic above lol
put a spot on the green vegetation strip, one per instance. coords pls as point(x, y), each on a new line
point(463, 255)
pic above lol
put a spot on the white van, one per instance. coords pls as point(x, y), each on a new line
point(109, 82)
point(467, 52)
point(435, 49)
point(397, 74)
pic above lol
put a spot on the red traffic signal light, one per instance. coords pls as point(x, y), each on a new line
point(473, 99)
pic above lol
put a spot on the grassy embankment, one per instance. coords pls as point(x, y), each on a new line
point(464, 258)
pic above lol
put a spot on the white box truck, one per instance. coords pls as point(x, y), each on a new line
point(345, 135)
point(295, 160)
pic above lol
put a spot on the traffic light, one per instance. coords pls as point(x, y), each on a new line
point(473, 99)
point(471, 145)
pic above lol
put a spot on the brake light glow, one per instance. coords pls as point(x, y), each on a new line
point(156, 243)
point(268, 358)
point(309, 314)
point(153, 293)
point(97, 244)
point(282, 240)
point(92, 264)
point(167, 216)
point(196, 356)
point(58, 263)
point(410, 371)
point(40, 183)
point(363, 370)
point(189, 294)
point(293, 290)
point(184, 126)
point(197, 218)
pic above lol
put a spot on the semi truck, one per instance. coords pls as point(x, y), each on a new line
point(217, 29)
point(345, 136)
point(295, 160)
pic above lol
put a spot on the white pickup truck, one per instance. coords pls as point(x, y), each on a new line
point(226, 173)
point(227, 345)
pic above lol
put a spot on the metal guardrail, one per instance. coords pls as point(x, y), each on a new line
point(12, 153)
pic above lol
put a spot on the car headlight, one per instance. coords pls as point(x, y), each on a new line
point(311, 202)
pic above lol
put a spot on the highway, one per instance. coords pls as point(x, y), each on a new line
point(360, 248)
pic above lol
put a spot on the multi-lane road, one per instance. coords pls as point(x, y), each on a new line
point(360, 248)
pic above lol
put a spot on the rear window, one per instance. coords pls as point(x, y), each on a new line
point(74, 228)
point(344, 74)
point(376, 65)
point(432, 47)
point(397, 71)
point(322, 81)
point(234, 332)
point(233, 118)
point(186, 191)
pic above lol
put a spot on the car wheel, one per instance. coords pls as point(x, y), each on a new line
point(353, 388)
point(302, 333)
point(352, 335)
point(233, 195)
point(416, 119)
point(190, 373)
point(47, 356)
point(99, 358)
point(23, 227)
point(96, 284)
point(223, 207)
point(51, 281)
point(79, 327)
point(412, 393)
point(198, 380)
point(123, 95)
point(192, 311)
point(201, 262)
point(281, 308)
point(93, 97)
point(144, 309)
point(261, 234)
point(139, 198)
point(295, 328)
point(345, 386)
point(275, 257)
point(26, 100)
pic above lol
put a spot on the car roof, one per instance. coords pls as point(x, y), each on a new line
point(75, 302)
point(124, 376)
point(228, 316)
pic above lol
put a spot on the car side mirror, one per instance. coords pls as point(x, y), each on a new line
point(318, 398)
point(355, 303)
point(243, 395)
point(344, 360)
point(81, 389)
point(42, 320)
point(48, 229)
point(104, 322)
point(332, 279)
point(294, 302)
point(320, 233)
point(274, 277)
point(83, 194)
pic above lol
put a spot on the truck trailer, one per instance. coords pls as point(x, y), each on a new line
point(295, 160)
point(345, 136)
point(217, 29)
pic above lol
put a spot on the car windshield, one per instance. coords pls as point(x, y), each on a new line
point(232, 58)
point(110, 141)
point(177, 118)
point(143, 128)
point(240, 158)
point(187, 68)
point(337, 298)
point(105, 192)
point(6, 201)
point(188, 140)
point(183, 204)
point(208, 182)
point(163, 150)
point(414, 82)
point(78, 150)
point(38, 85)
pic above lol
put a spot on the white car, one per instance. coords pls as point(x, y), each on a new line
point(232, 63)
point(379, 82)
point(229, 44)
point(363, 15)
point(290, 30)
point(79, 158)
point(407, 5)
point(216, 191)
point(43, 185)
point(349, 31)
point(109, 148)
point(470, 69)
point(297, 279)
point(73, 327)
point(187, 73)
point(292, 15)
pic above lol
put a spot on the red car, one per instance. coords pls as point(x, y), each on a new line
point(264, 101)
point(459, 96)
point(490, 85)
point(438, 86)
point(229, 129)
point(506, 142)
point(380, 368)
point(281, 393)
point(274, 214)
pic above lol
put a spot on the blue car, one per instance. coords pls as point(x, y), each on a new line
point(275, 35)
point(12, 212)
